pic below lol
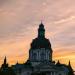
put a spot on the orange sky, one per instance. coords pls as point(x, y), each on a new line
point(19, 21)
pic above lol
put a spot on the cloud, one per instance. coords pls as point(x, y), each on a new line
point(19, 20)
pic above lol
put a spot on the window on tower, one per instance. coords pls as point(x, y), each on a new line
point(34, 56)
point(42, 33)
point(42, 56)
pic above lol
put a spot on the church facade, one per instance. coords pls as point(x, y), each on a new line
point(40, 58)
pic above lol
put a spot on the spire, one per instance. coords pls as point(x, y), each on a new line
point(5, 60)
point(41, 24)
point(41, 31)
point(70, 69)
point(69, 64)
point(4, 65)
point(17, 63)
point(41, 21)
point(58, 63)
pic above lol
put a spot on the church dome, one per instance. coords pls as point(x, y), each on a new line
point(40, 43)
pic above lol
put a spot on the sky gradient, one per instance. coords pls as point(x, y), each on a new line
point(20, 19)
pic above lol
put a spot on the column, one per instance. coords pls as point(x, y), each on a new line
point(51, 73)
point(54, 73)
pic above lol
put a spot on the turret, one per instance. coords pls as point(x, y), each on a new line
point(41, 31)
point(5, 61)
point(4, 65)
point(70, 69)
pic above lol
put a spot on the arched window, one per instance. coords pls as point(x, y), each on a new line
point(34, 56)
point(42, 56)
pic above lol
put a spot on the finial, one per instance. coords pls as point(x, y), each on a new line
point(58, 62)
point(41, 21)
point(69, 63)
point(5, 57)
point(17, 62)
point(41, 24)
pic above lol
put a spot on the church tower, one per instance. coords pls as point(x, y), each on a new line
point(4, 65)
point(41, 31)
point(40, 50)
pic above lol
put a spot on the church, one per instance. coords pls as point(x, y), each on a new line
point(40, 59)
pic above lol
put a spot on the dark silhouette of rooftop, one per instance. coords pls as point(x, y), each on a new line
point(37, 43)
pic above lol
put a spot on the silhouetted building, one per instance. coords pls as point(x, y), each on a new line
point(40, 59)
point(70, 69)
point(4, 66)
point(6, 70)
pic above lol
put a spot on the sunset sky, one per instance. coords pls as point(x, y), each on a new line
point(20, 19)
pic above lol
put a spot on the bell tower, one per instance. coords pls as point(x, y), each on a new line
point(41, 31)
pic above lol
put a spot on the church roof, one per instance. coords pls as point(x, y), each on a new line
point(51, 66)
point(40, 43)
